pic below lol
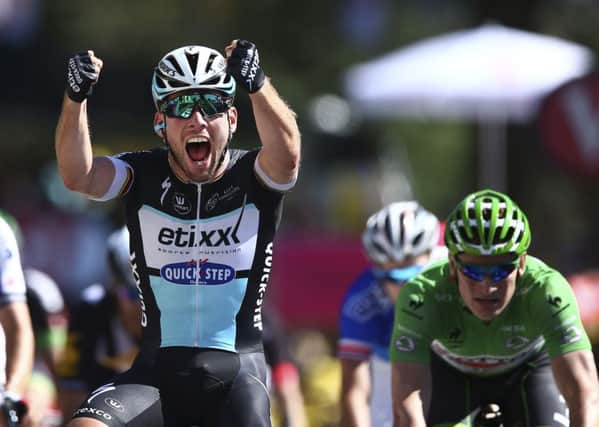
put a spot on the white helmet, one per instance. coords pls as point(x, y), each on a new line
point(118, 257)
point(399, 231)
point(191, 67)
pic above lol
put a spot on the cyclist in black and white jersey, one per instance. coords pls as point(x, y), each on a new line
point(202, 218)
point(16, 323)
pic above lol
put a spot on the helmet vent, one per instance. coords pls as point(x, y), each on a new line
point(159, 82)
point(174, 63)
point(192, 58)
point(211, 59)
point(176, 83)
point(212, 81)
point(416, 240)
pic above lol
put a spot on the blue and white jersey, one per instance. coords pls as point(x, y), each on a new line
point(365, 330)
point(366, 320)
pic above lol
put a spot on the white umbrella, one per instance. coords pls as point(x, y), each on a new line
point(492, 74)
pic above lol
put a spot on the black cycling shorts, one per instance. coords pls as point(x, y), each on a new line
point(191, 387)
point(528, 395)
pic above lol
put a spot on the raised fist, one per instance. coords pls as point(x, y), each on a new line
point(83, 71)
point(243, 63)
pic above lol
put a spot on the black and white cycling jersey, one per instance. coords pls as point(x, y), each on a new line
point(201, 253)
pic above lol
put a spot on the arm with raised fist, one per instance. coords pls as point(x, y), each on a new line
point(79, 170)
point(276, 123)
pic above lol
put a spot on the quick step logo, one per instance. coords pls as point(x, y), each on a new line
point(199, 272)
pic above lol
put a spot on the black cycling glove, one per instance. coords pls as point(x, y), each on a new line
point(14, 408)
point(244, 66)
point(81, 75)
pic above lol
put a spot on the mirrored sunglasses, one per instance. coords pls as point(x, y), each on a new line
point(209, 104)
point(495, 272)
point(398, 275)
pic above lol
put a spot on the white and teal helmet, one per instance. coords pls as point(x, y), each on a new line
point(399, 231)
point(487, 222)
point(189, 68)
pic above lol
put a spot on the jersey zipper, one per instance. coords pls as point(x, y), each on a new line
point(198, 270)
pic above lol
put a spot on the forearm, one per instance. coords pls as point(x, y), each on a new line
point(19, 354)
point(576, 377)
point(73, 145)
point(411, 393)
point(276, 124)
point(584, 412)
point(293, 403)
point(355, 411)
point(409, 416)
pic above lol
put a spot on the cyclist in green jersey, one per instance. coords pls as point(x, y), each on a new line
point(491, 324)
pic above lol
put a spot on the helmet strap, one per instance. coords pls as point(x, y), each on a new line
point(229, 138)
point(164, 139)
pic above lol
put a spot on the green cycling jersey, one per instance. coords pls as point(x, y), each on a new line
point(542, 315)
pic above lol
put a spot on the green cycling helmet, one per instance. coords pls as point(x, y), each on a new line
point(487, 223)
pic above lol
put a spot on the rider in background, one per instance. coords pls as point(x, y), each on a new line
point(49, 321)
point(104, 328)
point(399, 241)
point(16, 323)
point(503, 328)
point(284, 375)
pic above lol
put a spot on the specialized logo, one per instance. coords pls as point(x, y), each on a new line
point(114, 404)
point(166, 185)
point(181, 204)
point(200, 272)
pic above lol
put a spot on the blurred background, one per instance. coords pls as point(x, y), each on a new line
point(357, 154)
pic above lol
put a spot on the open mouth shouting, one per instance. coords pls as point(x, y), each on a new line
point(198, 149)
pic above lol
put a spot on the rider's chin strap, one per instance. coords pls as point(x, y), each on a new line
point(229, 138)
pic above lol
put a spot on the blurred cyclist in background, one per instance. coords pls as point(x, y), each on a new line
point(284, 375)
point(49, 321)
point(399, 240)
point(16, 323)
point(503, 327)
point(104, 329)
